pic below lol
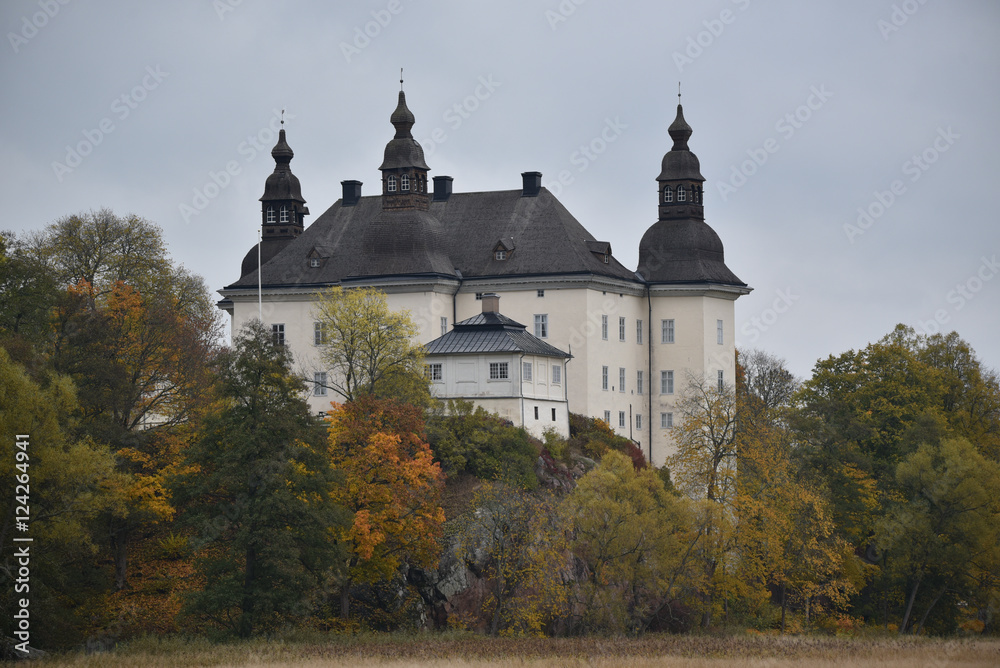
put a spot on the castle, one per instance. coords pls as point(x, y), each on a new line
point(632, 338)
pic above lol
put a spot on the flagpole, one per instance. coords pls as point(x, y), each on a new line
point(260, 299)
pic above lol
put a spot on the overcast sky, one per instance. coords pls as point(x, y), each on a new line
point(804, 114)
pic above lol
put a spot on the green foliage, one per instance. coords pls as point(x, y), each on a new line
point(593, 437)
point(257, 490)
point(467, 439)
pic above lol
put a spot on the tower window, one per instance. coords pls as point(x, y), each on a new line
point(284, 214)
point(681, 194)
point(668, 194)
point(390, 184)
point(270, 214)
point(404, 183)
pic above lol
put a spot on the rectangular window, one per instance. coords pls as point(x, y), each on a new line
point(556, 374)
point(433, 372)
point(621, 379)
point(541, 293)
point(444, 325)
point(319, 384)
point(666, 420)
point(604, 327)
point(526, 371)
point(498, 371)
point(536, 412)
point(638, 332)
point(666, 382)
point(667, 331)
point(542, 325)
point(319, 333)
point(638, 421)
point(722, 382)
point(479, 295)
point(553, 415)
point(621, 418)
point(621, 329)
point(604, 377)
point(718, 332)
point(607, 418)
point(278, 335)
point(638, 382)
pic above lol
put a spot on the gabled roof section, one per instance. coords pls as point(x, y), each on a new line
point(466, 228)
point(491, 333)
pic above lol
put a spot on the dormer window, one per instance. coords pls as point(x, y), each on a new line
point(668, 194)
point(607, 258)
point(284, 214)
point(500, 255)
point(270, 214)
point(681, 194)
point(390, 184)
point(404, 183)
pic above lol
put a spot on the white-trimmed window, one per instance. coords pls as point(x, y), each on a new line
point(444, 325)
point(556, 374)
point(404, 183)
point(666, 420)
point(681, 194)
point(319, 333)
point(604, 327)
point(718, 332)
point(638, 420)
point(319, 384)
point(621, 379)
point(638, 332)
point(638, 382)
point(722, 381)
point(278, 334)
point(542, 325)
point(666, 382)
point(314, 262)
point(390, 183)
point(607, 418)
point(668, 194)
point(435, 373)
point(667, 331)
point(621, 419)
point(621, 329)
point(284, 214)
point(498, 371)
point(500, 255)
point(270, 215)
point(526, 371)
point(604, 377)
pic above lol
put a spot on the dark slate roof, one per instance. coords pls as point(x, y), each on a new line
point(457, 234)
point(683, 251)
point(282, 184)
point(490, 333)
point(680, 162)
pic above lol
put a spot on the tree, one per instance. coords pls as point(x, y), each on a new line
point(368, 348)
point(391, 487)
point(258, 486)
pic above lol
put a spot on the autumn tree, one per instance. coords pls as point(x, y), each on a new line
point(257, 488)
point(390, 486)
point(367, 348)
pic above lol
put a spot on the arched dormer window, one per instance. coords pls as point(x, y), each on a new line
point(270, 214)
point(681, 194)
point(390, 184)
point(284, 214)
point(668, 195)
point(404, 183)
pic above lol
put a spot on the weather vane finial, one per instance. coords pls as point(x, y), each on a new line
point(400, 78)
point(282, 118)
point(678, 92)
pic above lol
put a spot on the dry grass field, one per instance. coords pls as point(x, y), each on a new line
point(473, 652)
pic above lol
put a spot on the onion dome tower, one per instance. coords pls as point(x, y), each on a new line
point(681, 247)
point(404, 238)
point(282, 207)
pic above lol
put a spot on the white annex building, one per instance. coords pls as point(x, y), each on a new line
point(633, 336)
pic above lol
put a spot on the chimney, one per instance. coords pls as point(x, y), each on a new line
point(531, 184)
point(352, 192)
point(491, 302)
point(442, 188)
